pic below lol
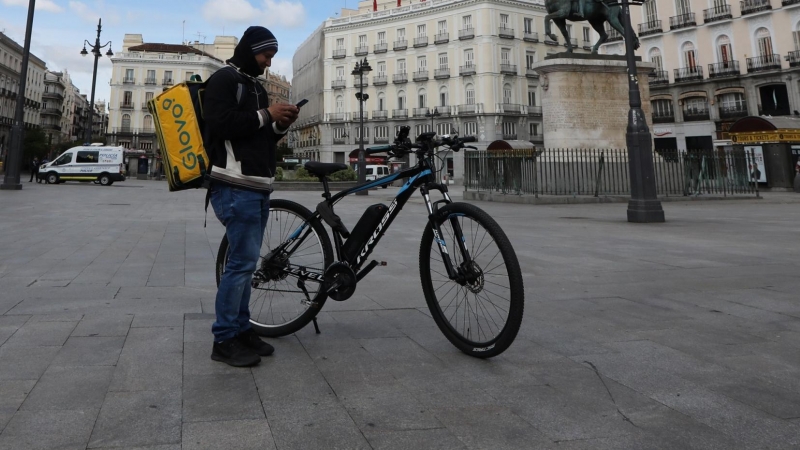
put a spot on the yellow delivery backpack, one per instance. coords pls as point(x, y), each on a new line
point(178, 119)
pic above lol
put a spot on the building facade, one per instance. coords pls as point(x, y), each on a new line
point(442, 65)
point(54, 107)
point(278, 88)
point(717, 61)
point(10, 68)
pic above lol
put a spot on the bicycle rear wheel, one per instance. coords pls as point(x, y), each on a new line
point(278, 305)
point(480, 311)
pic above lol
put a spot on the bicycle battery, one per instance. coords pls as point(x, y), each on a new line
point(363, 230)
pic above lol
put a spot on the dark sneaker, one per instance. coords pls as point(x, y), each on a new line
point(234, 353)
point(251, 340)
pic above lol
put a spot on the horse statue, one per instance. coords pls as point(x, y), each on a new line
point(596, 12)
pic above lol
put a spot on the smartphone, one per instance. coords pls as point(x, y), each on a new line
point(301, 103)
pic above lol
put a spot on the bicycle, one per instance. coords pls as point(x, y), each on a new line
point(473, 289)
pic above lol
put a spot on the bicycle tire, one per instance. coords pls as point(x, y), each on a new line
point(502, 300)
point(284, 297)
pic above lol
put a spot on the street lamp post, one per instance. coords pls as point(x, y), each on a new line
point(96, 52)
point(14, 154)
point(433, 114)
point(361, 68)
point(643, 206)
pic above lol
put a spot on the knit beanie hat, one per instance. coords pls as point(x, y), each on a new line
point(260, 39)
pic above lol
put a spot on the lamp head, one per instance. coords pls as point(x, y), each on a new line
point(109, 53)
point(84, 52)
point(365, 67)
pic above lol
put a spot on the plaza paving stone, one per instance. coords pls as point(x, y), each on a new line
point(684, 334)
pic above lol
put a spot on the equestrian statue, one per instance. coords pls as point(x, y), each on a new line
point(596, 12)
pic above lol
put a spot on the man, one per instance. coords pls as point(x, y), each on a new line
point(241, 136)
point(34, 168)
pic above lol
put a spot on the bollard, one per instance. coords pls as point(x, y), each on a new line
point(797, 181)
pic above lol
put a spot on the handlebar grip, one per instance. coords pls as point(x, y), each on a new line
point(468, 139)
point(378, 149)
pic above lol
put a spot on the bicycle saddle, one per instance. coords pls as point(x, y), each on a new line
point(322, 169)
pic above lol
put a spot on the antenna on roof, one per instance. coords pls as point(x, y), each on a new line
point(183, 33)
point(202, 36)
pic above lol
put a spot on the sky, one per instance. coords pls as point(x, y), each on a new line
point(61, 26)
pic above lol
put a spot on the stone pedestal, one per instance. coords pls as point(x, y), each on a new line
point(585, 100)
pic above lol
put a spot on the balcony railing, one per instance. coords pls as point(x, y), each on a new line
point(549, 41)
point(466, 33)
point(468, 109)
point(381, 140)
point(682, 21)
point(663, 117)
point(400, 78)
point(651, 27)
point(469, 69)
point(122, 130)
point(688, 74)
point(381, 47)
point(338, 117)
point(694, 115)
point(129, 80)
point(167, 82)
point(380, 80)
point(531, 73)
point(361, 50)
point(764, 62)
point(509, 108)
point(380, 115)
point(339, 140)
point(719, 12)
point(659, 77)
point(50, 126)
point(420, 112)
point(421, 41)
point(794, 57)
point(400, 45)
point(144, 105)
point(51, 111)
point(338, 84)
point(421, 75)
point(441, 73)
point(360, 81)
point(54, 95)
point(773, 111)
point(509, 136)
point(613, 34)
point(149, 81)
point(534, 111)
point(506, 33)
point(508, 69)
point(723, 69)
point(531, 36)
point(441, 38)
point(339, 53)
point(126, 105)
point(733, 112)
point(399, 113)
point(357, 116)
point(754, 6)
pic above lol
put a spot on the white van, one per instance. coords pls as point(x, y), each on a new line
point(374, 171)
point(94, 162)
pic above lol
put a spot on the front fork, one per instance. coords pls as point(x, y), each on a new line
point(452, 272)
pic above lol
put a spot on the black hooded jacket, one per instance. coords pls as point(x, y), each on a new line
point(241, 149)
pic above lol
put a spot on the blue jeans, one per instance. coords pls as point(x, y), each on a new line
point(244, 214)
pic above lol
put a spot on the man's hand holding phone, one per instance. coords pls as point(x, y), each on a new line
point(283, 114)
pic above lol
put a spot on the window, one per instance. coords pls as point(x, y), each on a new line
point(470, 128)
point(469, 57)
point(127, 97)
point(504, 21)
point(424, 128)
point(442, 26)
point(401, 34)
point(151, 76)
point(381, 101)
point(682, 7)
point(444, 128)
point(148, 122)
point(509, 128)
point(470, 95)
point(443, 96)
point(466, 22)
point(530, 59)
point(358, 132)
point(695, 104)
point(528, 25)
point(126, 121)
point(339, 104)
point(168, 76)
point(662, 108)
point(339, 133)
point(650, 12)
point(382, 132)
point(381, 37)
point(401, 100)
point(147, 97)
point(421, 30)
point(362, 40)
point(507, 93)
point(764, 42)
point(724, 52)
point(397, 130)
point(401, 66)
point(443, 60)
point(532, 96)
point(505, 56)
point(796, 36)
point(87, 157)
point(340, 73)
point(586, 35)
point(189, 75)
point(732, 101)
point(340, 43)
point(422, 63)
point(423, 98)
point(533, 128)
point(689, 56)
point(128, 75)
point(381, 68)
point(66, 158)
point(655, 57)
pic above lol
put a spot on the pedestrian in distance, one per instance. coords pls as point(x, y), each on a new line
point(39, 176)
point(241, 135)
point(34, 168)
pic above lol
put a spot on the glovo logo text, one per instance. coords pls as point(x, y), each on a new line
point(189, 158)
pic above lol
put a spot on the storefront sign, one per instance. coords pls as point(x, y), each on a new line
point(778, 136)
point(660, 132)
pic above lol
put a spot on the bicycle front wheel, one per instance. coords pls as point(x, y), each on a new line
point(278, 304)
point(480, 309)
